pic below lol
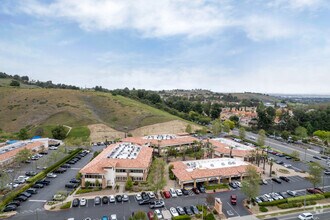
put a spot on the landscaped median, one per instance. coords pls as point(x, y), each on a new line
point(13, 194)
point(216, 187)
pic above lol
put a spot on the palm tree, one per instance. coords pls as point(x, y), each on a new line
point(231, 151)
point(271, 166)
point(159, 141)
point(252, 155)
point(211, 151)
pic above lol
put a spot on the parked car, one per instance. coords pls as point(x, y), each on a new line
point(327, 172)
point(157, 204)
point(233, 185)
point(138, 197)
point(21, 198)
point(30, 173)
point(83, 202)
point(194, 209)
point(167, 194)
point(238, 184)
point(150, 215)
point(32, 191)
point(105, 200)
point(314, 191)
point(151, 195)
point(26, 194)
point(257, 200)
point(317, 157)
point(65, 166)
point(288, 157)
point(264, 182)
point(125, 198)
point(44, 182)
point(97, 200)
point(233, 199)
point(306, 216)
point(144, 202)
point(285, 195)
point(195, 190)
point(276, 180)
point(75, 202)
point(286, 179)
point(145, 196)
point(38, 186)
point(104, 217)
point(119, 198)
point(10, 208)
point(180, 210)
point(74, 180)
point(179, 192)
point(174, 212)
point(113, 217)
point(71, 185)
point(188, 210)
point(185, 192)
point(158, 214)
point(15, 203)
point(173, 193)
point(51, 175)
point(291, 193)
point(112, 199)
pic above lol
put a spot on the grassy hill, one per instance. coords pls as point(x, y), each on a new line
point(259, 96)
point(46, 108)
point(5, 82)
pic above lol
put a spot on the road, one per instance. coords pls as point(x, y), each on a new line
point(318, 215)
point(305, 155)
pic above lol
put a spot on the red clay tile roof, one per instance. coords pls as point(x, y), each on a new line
point(182, 174)
point(179, 140)
point(12, 153)
point(142, 160)
point(224, 149)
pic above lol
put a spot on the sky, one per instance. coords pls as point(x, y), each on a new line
point(267, 46)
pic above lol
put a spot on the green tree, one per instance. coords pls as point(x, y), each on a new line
point(295, 154)
point(215, 111)
point(23, 134)
point(261, 137)
point(250, 184)
point(129, 183)
point(188, 128)
point(216, 127)
point(242, 133)
point(271, 163)
point(14, 83)
point(235, 119)
point(226, 127)
point(4, 179)
point(301, 132)
point(230, 123)
point(285, 135)
point(323, 135)
point(23, 155)
point(315, 173)
point(59, 132)
point(139, 215)
point(156, 177)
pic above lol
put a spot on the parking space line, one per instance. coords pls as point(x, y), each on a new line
point(232, 208)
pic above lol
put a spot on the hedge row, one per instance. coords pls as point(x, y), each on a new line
point(66, 205)
point(326, 194)
point(182, 217)
point(307, 197)
point(295, 205)
point(273, 203)
point(15, 193)
point(217, 186)
point(263, 209)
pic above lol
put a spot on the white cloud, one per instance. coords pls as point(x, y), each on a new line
point(298, 4)
point(160, 18)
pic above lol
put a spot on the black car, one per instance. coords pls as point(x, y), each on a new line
point(188, 210)
point(288, 157)
point(71, 162)
point(65, 166)
point(43, 153)
point(26, 194)
point(15, 203)
point(10, 208)
point(97, 200)
point(38, 186)
point(59, 170)
point(201, 188)
point(119, 198)
point(30, 173)
point(21, 198)
point(71, 185)
point(316, 157)
point(185, 192)
point(32, 191)
point(105, 200)
point(75, 203)
point(277, 180)
point(145, 196)
point(279, 162)
point(195, 190)
point(194, 209)
point(286, 179)
point(43, 181)
point(74, 180)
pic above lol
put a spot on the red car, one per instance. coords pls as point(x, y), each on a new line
point(314, 191)
point(233, 199)
point(167, 194)
point(195, 190)
point(151, 215)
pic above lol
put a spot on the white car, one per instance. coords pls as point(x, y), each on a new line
point(158, 214)
point(238, 184)
point(83, 202)
point(173, 193)
point(112, 199)
point(113, 217)
point(12, 185)
point(138, 197)
point(51, 175)
point(270, 199)
point(174, 212)
point(53, 148)
point(287, 165)
point(151, 195)
point(179, 192)
point(306, 216)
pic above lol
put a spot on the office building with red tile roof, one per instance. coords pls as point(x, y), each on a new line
point(116, 163)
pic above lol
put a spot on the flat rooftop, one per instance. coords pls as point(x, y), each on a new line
point(125, 151)
point(215, 163)
point(234, 144)
point(160, 137)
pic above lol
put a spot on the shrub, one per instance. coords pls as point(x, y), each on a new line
point(273, 203)
point(290, 205)
point(182, 217)
point(263, 209)
point(66, 205)
point(198, 215)
point(308, 198)
point(327, 194)
point(217, 186)
point(209, 216)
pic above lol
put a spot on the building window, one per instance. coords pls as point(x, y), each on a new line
point(121, 170)
point(137, 178)
point(121, 178)
point(93, 176)
point(136, 171)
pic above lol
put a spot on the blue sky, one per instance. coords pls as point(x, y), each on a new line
point(269, 46)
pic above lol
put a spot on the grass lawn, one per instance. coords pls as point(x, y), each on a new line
point(79, 132)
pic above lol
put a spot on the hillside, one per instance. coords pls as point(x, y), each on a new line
point(256, 96)
point(46, 108)
point(5, 82)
